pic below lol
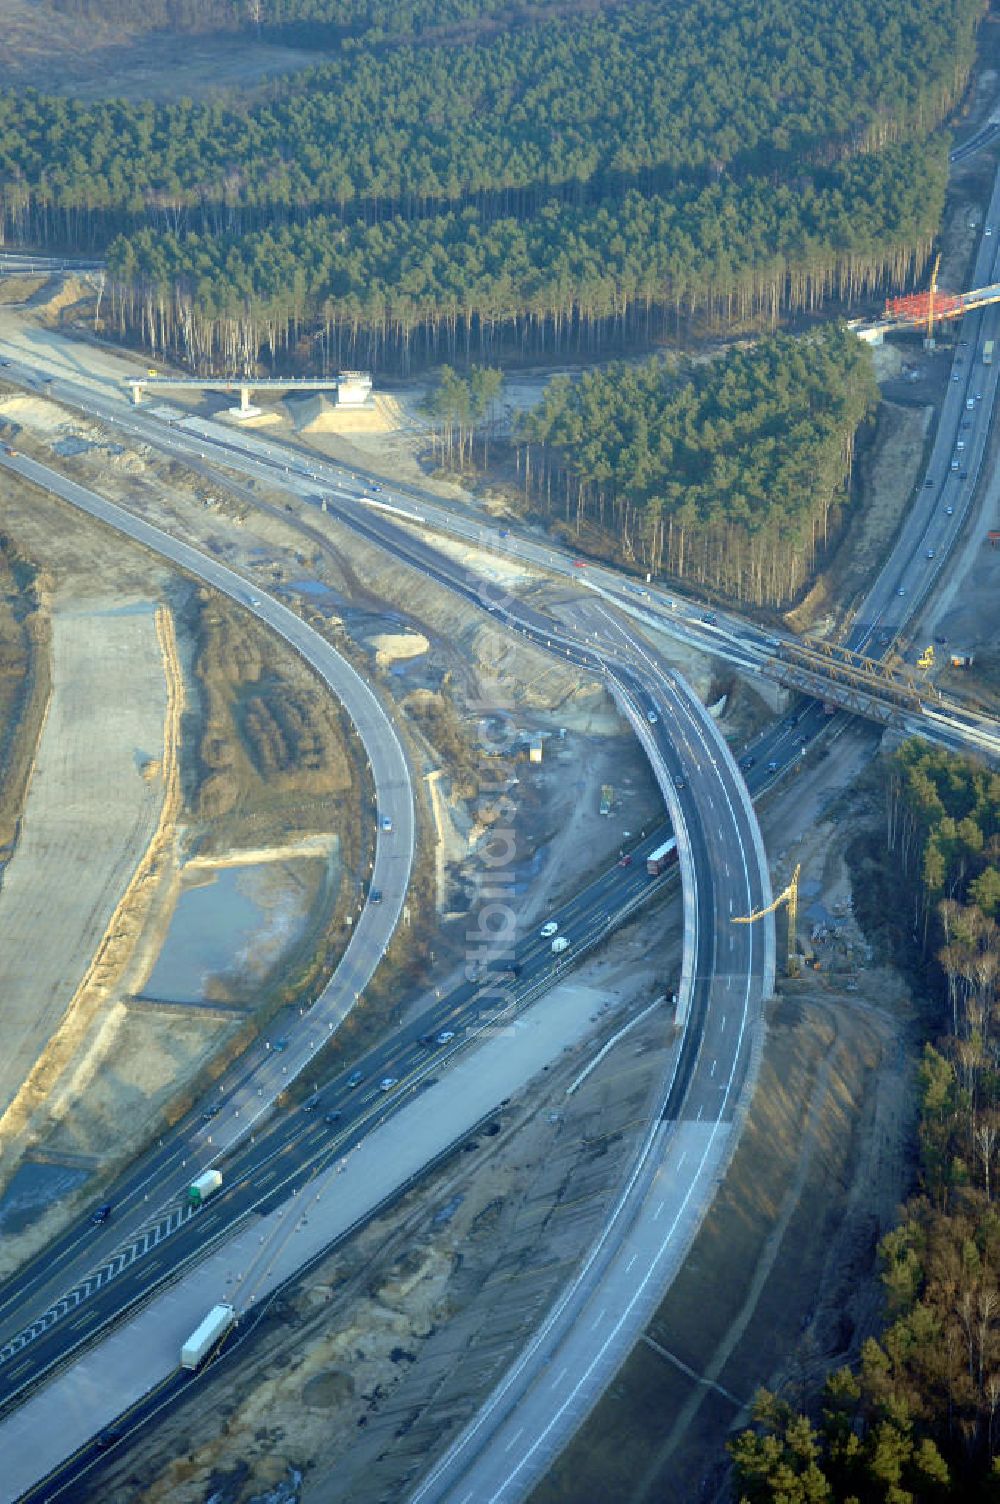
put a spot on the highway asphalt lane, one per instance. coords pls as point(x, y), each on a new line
point(299, 1144)
point(379, 528)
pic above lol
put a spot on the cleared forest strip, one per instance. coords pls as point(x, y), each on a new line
point(99, 817)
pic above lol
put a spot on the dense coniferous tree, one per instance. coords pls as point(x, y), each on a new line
point(729, 476)
point(920, 1422)
point(556, 180)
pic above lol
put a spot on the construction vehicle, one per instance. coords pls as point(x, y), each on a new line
point(926, 659)
point(208, 1334)
point(790, 898)
point(206, 1185)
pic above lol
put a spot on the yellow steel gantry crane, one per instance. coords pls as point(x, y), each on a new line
point(790, 897)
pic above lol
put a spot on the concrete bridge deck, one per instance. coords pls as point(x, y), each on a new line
point(353, 388)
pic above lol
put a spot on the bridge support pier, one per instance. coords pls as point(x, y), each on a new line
point(246, 408)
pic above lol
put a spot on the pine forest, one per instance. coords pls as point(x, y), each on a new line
point(729, 475)
point(570, 178)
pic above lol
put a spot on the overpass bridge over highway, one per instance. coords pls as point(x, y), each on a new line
point(352, 388)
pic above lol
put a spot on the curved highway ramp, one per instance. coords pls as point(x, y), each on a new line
point(549, 1391)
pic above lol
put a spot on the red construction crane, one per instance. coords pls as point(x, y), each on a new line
point(924, 307)
point(921, 310)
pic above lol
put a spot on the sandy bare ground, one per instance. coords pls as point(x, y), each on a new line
point(93, 805)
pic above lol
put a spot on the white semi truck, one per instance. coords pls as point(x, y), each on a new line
point(208, 1334)
point(206, 1185)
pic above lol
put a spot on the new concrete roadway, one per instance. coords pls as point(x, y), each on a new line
point(561, 1374)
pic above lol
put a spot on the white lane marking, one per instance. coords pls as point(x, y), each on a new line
point(712, 1071)
point(598, 1319)
point(680, 1162)
point(631, 1262)
point(513, 1442)
point(700, 1111)
point(722, 1026)
point(656, 1214)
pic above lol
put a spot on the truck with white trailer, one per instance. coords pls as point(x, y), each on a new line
point(207, 1183)
point(661, 857)
point(206, 1335)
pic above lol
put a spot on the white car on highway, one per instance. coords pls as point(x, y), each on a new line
point(549, 929)
point(559, 944)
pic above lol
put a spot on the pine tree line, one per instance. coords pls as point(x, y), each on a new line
point(731, 476)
